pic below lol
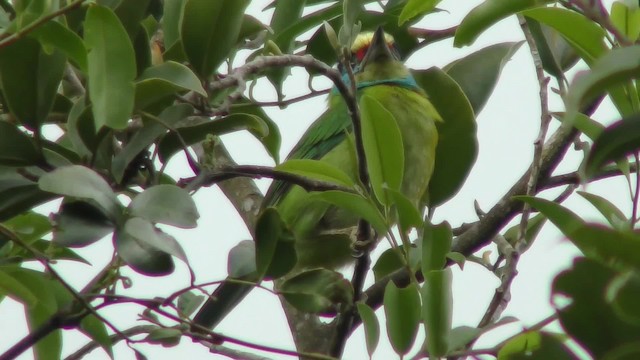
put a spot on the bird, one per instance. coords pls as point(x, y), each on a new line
point(324, 234)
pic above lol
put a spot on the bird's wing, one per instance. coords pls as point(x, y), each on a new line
point(329, 130)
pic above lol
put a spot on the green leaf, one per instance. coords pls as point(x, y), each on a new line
point(29, 226)
point(383, 148)
point(460, 336)
point(355, 204)
point(78, 223)
point(478, 73)
point(388, 262)
point(167, 337)
point(272, 140)
point(626, 19)
point(29, 79)
point(112, 68)
point(556, 54)
point(172, 13)
point(165, 80)
point(535, 345)
point(209, 32)
point(12, 287)
point(172, 143)
point(488, 13)
point(457, 147)
point(318, 291)
point(144, 137)
point(371, 327)
point(18, 194)
point(614, 216)
point(615, 68)
point(534, 225)
point(316, 170)
point(588, 315)
point(189, 302)
point(585, 35)
point(415, 8)
point(275, 252)
point(286, 14)
point(402, 310)
point(408, 216)
point(623, 294)
point(140, 252)
point(616, 141)
point(612, 247)
point(131, 13)
point(436, 244)
point(95, 329)
point(55, 34)
point(166, 204)
point(84, 183)
point(16, 148)
point(437, 310)
point(241, 260)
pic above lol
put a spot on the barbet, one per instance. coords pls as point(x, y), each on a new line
point(324, 233)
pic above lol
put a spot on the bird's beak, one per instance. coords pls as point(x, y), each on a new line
point(378, 50)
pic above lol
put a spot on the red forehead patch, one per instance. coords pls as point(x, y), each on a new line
point(361, 52)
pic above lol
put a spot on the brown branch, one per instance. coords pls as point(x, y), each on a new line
point(115, 338)
point(208, 178)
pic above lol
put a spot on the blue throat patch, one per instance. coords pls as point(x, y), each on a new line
point(407, 82)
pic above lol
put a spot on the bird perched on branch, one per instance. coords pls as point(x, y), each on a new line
point(323, 232)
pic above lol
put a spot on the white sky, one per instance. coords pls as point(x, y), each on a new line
point(506, 129)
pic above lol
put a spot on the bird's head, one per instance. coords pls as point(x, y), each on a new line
point(375, 57)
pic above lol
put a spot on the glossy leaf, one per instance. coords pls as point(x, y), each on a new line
point(318, 291)
point(79, 223)
point(617, 140)
point(29, 78)
point(209, 32)
point(535, 345)
point(408, 215)
point(556, 54)
point(588, 315)
point(416, 8)
point(14, 288)
point(586, 36)
point(436, 244)
point(172, 143)
point(286, 13)
point(96, 330)
point(165, 80)
point(138, 253)
point(488, 13)
point(626, 19)
point(84, 183)
point(18, 194)
point(357, 205)
point(316, 170)
point(437, 310)
point(275, 252)
point(616, 67)
point(383, 148)
point(457, 140)
point(241, 260)
point(166, 204)
point(478, 73)
point(16, 148)
point(371, 326)
point(614, 216)
point(623, 294)
point(618, 248)
point(172, 13)
point(112, 68)
point(131, 13)
point(402, 310)
point(389, 261)
point(55, 34)
point(144, 137)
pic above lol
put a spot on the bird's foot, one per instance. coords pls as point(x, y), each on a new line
point(359, 246)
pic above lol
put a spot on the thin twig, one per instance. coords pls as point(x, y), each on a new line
point(114, 339)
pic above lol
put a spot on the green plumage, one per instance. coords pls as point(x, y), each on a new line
point(324, 233)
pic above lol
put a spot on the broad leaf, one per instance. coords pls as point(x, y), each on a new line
point(318, 291)
point(437, 310)
point(316, 170)
point(167, 204)
point(16, 148)
point(402, 309)
point(112, 68)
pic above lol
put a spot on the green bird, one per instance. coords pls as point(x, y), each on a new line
point(324, 234)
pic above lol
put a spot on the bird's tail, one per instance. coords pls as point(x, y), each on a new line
point(224, 299)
